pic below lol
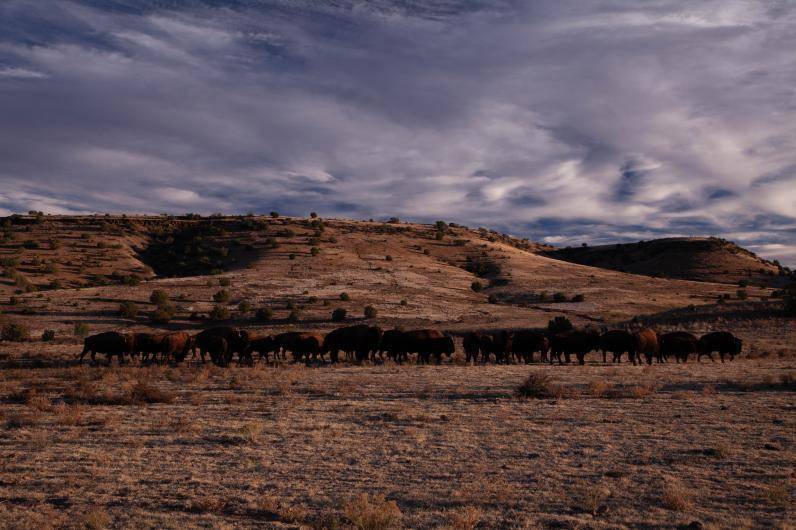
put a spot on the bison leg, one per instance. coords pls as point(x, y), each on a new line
point(581, 358)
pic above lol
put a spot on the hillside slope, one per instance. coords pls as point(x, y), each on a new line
point(414, 275)
point(701, 259)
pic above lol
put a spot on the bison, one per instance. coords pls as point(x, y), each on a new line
point(303, 346)
point(357, 340)
point(175, 346)
point(237, 342)
point(428, 342)
point(719, 341)
point(472, 346)
point(497, 343)
point(680, 344)
point(617, 341)
point(576, 341)
point(109, 343)
point(645, 342)
point(525, 342)
point(147, 344)
point(392, 344)
point(265, 346)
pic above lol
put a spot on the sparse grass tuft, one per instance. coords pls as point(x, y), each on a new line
point(675, 497)
point(97, 520)
point(538, 385)
point(465, 518)
point(372, 513)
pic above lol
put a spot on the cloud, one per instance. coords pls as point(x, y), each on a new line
point(598, 122)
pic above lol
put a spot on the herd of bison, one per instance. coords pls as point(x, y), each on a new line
point(363, 342)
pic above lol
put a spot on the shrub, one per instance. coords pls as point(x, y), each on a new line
point(274, 214)
point(245, 306)
point(404, 302)
point(743, 283)
point(80, 329)
point(559, 297)
point(221, 297)
point(30, 244)
point(163, 314)
point(539, 386)
point(439, 236)
point(492, 299)
point(578, 298)
point(219, 312)
point(394, 220)
point(741, 294)
point(315, 251)
point(224, 282)
point(344, 297)
point(14, 332)
point(159, 297)
point(128, 309)
point(339, 314)
point(55, 283)
point(294, 315)
point(291, 256)
point(47, 335)
point(370, 311)
point(388, 257)
point(476, 286)
point(372, 513)
point(313, 215)
point(264, 314)
point(559, 324)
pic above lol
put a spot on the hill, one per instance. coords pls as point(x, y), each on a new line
point(689, 258)
point(60, 270)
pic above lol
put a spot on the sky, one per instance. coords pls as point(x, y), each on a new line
point(562, 121)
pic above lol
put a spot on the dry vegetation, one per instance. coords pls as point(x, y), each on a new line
point(454, 446)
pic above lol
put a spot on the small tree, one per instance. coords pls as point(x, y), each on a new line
point(264, 314)
point(344, 297)
point(293, 316)
point(219, 312)
point(274, 214)
point(47, 335)
point(80, 330)
point(163, 314)
point(313, 215)
point(370, 311)
point(221, 297)
point(128, 309)
point(476, 286)
point(159, 297)
point(244, 306)
point(315, 251)
point(339, 314)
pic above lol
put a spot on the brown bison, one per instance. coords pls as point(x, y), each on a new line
point(719, 341)
point(392, 344)
point(617, 341)
point(147, 345)
point(303, 346)
point(357, 340)
point(576, 341)
point(175, 346)
point(525, 343)
point(646, 343)
point(237, 341)
point(109, 343)
point(680, 344)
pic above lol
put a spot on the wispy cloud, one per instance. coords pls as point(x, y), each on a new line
point(568, 121)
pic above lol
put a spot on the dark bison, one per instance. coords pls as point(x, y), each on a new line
point(497, 343)
point(109, 343)
point(147, 345)
point(525, 343)
point(392, 344)
point(646, 343)
point(303, 346)
point(264, 346)
point(237, 341)
point(719, 341)
point(472, 346)
point(175, 346)
point(427, 343)
point(680, 344)
point(357, 340)
point(218, 348)
point(576, 341)
point(617, 341)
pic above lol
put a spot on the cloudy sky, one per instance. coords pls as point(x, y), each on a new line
point(564, 121)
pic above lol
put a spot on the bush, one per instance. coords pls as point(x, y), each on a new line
point(55, 283)
point(372, 513)
point(159, 297)
point(743, 283)
point(80, 330)
point(559, 324)
point(344, 297)
point(128, 310)
point(315, 251)
point(339, 314)
point(313, 215)
point(404, 302)
point(219, 312)
point(492, 299)
point(291, 256)
point(293, 316)
point(476, 286)
point(388, 257)
point(14, 332)
point(224, 282)
point(538, 386)
point(245, 306)
point(439, 236)
point(221, 297)
point(163, 314)
point(264, 314)
point(559, 297)
point(274, 214)
point(30, 244)
point(578, 298)
point(370, 311)
point(741, 294)
point(394, 220)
